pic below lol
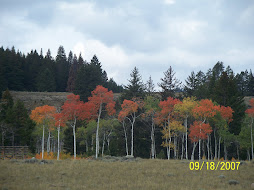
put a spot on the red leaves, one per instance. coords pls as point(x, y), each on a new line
point(73, 108)
point(60, 120)
point(199, 130)
point(167, 106)
point(205, 109)
point(128, 107)
point(226, 113)
point(99, 97)
point(250, 111)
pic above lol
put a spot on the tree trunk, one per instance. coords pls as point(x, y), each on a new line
point(248, 154)
point(97, 134)
point(48, 143)
point(92, 144)
point(152, 141)
point(193, 150)
point(42, 144)
point(74, 137)
point(251, 133)
point(86, 146)
point(199, 149)
point(132, 134)
point(186, 138)
point(126, 140)
point(225, 151)
point(169, 136)
point(237, 151)
point(103, 145)
point(182, 147)
point(219, 148)
point(58, 142)
point(208, 148)
point(215, 145)
point(175, 146)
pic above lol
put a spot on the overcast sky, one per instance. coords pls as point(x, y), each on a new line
point(189, 35)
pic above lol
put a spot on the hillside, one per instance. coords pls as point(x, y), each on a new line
point(35, 99)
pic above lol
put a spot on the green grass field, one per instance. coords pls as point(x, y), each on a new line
point(142, 174)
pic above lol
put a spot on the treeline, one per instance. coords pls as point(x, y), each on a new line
point(221, 87)
point(35, 72)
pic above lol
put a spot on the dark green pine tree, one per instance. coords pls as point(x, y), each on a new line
point(62, 70)
point(20, 125)
point(112, 85)
point(250, 86)
point(242, 81)
point(88, 77)
point(201, 91)
point(149, 87)
point(170, 84)
point(217, 70)
point(191, 85)
point(226, 94)
point(31, 68)
point(5, 105)
point(135, 88)
point(74, 67)
point(46, 81)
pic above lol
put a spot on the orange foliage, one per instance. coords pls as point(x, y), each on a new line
point(42, 113)
point(199, 130)
point(205, 109)
point(53, 156)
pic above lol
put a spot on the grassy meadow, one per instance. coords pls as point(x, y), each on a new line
point(141, 174)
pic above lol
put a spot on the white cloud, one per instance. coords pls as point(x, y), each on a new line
point(169, 2)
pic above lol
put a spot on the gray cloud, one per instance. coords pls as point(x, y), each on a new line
point(152, 35)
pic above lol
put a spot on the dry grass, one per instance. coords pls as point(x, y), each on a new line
point(144, 174)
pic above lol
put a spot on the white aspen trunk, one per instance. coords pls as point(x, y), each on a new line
point(248, 154)
point(74, 138)
point(97, 133)
point(186, 138)
point(108, 140)
point(225, 151)
point(251, 133)
point(42, 144)
point(58, 142)
point(169, 135)
point(103, 145)
point(219, 148)
point(215, 145)
point(211, 150)
point(48, 143)
point(199, 149)
point(152, 141)
point(86, 146)
point(208, 148)
point(126, 140)
point(193, 150)
point(132, 134)
point(182, 146)
point(175, 146)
